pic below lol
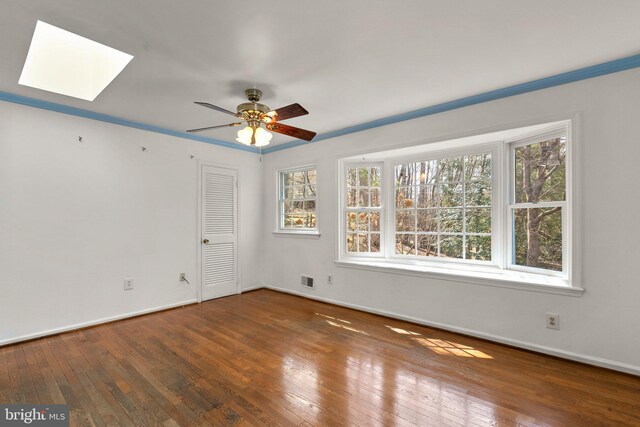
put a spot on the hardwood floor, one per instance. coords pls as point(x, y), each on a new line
point(267, 358)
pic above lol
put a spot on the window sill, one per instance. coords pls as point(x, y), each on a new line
point(491, 277)
point(305, 234)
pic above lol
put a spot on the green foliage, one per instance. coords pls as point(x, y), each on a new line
point(538, 242)
point(478, 220)
point(478, 248)
point(451, 246)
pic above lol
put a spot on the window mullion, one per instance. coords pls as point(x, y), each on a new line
point(389, 191)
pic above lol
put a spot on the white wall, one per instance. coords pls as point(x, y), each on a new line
point(600, 327)
point(77, 218)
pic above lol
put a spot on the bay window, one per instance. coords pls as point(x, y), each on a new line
point(500, 208)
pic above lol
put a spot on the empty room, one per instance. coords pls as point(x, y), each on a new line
point(340, 213)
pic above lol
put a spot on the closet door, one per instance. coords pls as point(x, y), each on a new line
point(219, 232)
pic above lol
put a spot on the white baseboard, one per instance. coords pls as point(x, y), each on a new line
point(252, 288)
point(589, 360)
point(94, 322)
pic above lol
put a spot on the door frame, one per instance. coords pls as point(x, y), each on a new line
point(236, 168)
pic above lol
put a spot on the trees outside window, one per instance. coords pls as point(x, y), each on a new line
point(539, 199)
point(495, 206)
point(297, 199)
point(443, 207)
point(363, 207)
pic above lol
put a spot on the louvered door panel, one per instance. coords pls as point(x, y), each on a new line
point(219, 230)
point(219, 204)
point(219, 266)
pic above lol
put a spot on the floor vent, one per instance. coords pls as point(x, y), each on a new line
point(307, 282)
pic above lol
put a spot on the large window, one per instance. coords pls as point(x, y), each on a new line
point(297, 199)
point(499, 206)
point(443, 207)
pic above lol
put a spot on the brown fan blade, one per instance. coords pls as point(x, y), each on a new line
point(307, 135)
point(213, 127)
point(289, 112)
point(215, 107)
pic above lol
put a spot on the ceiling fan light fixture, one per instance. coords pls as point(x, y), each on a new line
point(244, 135)
point(262, 137)
point(269, 117)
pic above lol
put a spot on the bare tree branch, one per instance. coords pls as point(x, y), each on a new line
point(544, 214)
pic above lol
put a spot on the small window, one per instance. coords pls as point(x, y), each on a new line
point(363, 209)
point(538, 204)
point(297, 199)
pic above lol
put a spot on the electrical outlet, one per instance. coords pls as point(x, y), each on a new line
point(183, 278)
point(330, 279)
point(553, 321)
point(128, 284)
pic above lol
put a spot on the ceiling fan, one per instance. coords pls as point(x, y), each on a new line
point(255, 115)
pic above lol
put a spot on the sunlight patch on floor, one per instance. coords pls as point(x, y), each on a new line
point(448, 348)
point(402, 331)
point(348, 328)
point(333, 318)
point(334, 322)
point(445, 348)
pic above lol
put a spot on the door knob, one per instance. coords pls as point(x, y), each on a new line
point(205, 241)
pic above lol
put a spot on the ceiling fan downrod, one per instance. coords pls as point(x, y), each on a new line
point(253, 95)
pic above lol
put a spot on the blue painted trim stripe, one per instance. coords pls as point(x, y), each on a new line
point(52, 106)
point(610, 67)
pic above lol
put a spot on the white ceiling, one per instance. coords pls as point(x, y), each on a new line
point(346, 61)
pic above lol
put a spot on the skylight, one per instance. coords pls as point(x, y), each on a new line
point(63, 62)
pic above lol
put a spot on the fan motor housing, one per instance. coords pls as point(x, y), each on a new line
point(248, 107)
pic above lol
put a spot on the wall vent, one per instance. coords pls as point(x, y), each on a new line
point(307, 282)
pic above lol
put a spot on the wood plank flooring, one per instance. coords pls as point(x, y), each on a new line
point(268, 358)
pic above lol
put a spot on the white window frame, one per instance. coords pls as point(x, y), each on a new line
point(344, 209)
point(280, 202)
point(500, 271)
point(494, 149)
point(565, 205)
